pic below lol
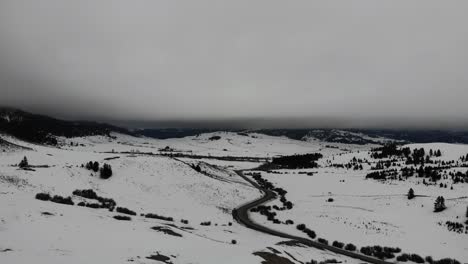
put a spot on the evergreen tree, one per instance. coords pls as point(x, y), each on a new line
point(439, 204)
point(410, 194)
point(95, 166)
point(106, 171)
point(23, 163)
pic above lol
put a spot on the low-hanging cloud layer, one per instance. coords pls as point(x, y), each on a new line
point(345, 62)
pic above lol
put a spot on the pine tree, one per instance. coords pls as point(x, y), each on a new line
point(410, 194)
point(23, 163)
point(439, 204)
point(95, 166)
point(106, 171)
point(467, 211)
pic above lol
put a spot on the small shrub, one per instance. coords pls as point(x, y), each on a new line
point(403, 257)
point(338, 244)
point(447, 261)
point(208, 223)
point(416, 258)
point(124, 210)
point(123, 217)
point(330, 261)
point(330, 200)
point(368, 251)
point(24, 163)
point(160, 217)
point(93, 205)
point(234, 242)
point(89, 194)
point(184, 221)
point(62, 200)
point(411, 194)
point(310, 233)
point(350, 247)
point(429, 259)
point(43, 196)
point(322, 241)
point(301, 227)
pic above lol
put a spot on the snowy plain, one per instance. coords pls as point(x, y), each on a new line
point(364, 212)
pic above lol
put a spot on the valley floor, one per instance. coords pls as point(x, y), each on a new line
point(364, 212)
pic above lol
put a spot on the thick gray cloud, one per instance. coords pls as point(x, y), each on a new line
point(358, 61)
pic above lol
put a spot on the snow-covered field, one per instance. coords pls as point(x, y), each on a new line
point(367, 212)
point(45, 232)
point(364, 211)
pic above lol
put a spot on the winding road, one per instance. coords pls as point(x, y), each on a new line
point(241, 215)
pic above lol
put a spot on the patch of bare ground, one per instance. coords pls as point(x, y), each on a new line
point(166, 231)
point(160, 258)
point(291, 243)
point(270, 258)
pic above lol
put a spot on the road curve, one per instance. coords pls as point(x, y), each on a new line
point(241, 215)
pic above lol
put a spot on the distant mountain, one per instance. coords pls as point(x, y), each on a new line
point(43, 129)
point(346, 136)
point(172, 132)
point(371, 136)
point(328, 135)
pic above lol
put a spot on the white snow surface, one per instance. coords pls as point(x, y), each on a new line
point(34, 231)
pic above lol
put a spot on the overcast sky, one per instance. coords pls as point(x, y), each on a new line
point(341, 61)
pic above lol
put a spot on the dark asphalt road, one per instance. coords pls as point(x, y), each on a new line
point(241, 215)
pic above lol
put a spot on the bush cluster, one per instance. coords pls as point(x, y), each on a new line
point(304, 229)
point(322, 241)
point(105, 172)
point(123, 217)
point(410, 257)
point(338, 244)
point(350, 247)
point(43, 196)
point(208, 223)
point(90, 194)
point(62, 200)
point(328, 261)
point(380, 252)
point(160, 217)
point(297, 161)
point(124, 210)
point(94, 166)
point(90, 205)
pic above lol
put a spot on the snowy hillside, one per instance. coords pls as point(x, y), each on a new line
point(179, 195)
point(49, 232)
